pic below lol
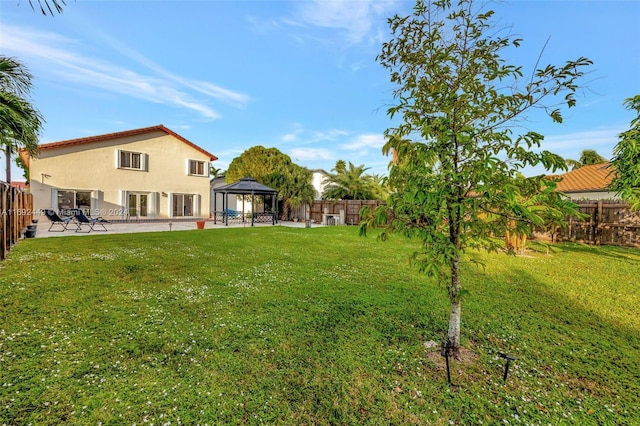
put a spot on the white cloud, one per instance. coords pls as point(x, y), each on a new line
point(571, 145)
point(290, 137)
point(299, 154)
point(356, 18)
point(294, 134)
point(218, 92)
point(370, 140)
point(328, 135)
point(301, 135)
point(63, 57)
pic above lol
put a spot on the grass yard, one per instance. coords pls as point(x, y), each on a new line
point(276, 325)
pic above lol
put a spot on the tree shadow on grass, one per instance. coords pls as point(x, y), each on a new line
point(587, 353)
point(612, 252)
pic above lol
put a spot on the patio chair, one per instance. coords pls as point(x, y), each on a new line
point(56, 219)
point(90, 222)
point(231, 215)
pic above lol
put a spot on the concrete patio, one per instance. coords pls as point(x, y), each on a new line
point(132, 227)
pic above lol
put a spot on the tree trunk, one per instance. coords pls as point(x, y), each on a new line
point(284, 215)
point(8, 155)
point(455, 312)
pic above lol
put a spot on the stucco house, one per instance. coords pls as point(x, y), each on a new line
point(587, 183)
point(317, 180)
point(140, 174)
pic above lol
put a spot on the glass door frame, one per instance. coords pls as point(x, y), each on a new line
point(141, 205)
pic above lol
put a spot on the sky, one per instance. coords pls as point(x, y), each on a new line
point(297, 75)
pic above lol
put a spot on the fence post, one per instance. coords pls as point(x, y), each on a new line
point(15, 214)
point(600, 217)
point(4, 221)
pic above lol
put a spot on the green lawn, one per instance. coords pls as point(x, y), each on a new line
point(278, 325)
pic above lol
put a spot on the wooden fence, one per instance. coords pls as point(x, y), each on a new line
point(16, 212)
point(607, 223)
point(351, 210)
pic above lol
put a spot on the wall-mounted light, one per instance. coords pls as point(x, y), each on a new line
point(44, 176)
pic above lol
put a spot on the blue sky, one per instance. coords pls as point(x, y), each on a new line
point(300, 76)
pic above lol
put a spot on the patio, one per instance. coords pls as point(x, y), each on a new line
point(131, 227)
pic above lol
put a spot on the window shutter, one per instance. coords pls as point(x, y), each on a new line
point(94, 202)
point(54, 199)
point(151, 208)
point(124, 211)
point(196, 207)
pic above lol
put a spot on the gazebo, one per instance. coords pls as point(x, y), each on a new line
point(246, 186)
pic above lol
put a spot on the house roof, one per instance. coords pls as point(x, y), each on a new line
point(596, 177)
point(20, 185)
point(322, 171)
point(133, 132)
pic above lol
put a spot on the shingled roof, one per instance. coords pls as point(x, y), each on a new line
point(596, 177)
point(108, 136)
point(246, 185)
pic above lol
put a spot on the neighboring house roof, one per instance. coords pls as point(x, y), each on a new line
point(20, 185)
point(596, 177)
point(321, 171)
point(133, 132)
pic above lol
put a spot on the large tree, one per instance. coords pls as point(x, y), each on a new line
point(271, 167)
point(20, 122)
point(458, 145)
point(588, 157)
point(258, 162)
point(626, 158)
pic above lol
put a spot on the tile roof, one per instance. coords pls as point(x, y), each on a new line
point(133, 132)
point(20, 185)
point(595, 177)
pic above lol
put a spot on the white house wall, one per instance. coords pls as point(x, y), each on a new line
point(317, 180)
point(94, 167)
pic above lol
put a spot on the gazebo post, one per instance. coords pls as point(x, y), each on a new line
point(253, 213)
point(273, 209)
point(215, 204)
point(224, 208)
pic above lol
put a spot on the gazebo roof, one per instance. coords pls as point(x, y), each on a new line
point(246, 185)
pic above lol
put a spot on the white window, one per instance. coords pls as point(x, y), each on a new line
point(183, 205)
point(198, 168)
point(131, 160)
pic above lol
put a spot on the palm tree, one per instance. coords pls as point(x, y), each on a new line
point(46, 6)
point(294, 188)
point(215, 172)
point(348, 183)
point(379, 187)
point(341, 167)
point(299, 190)
point(20, 122)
